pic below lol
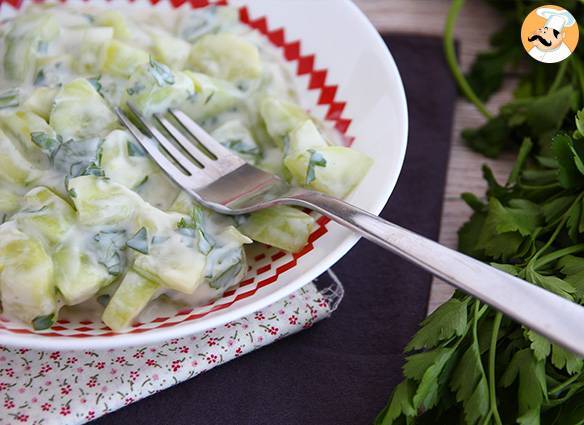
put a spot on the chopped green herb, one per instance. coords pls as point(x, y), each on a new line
point(135, 150)
point(49, 145)
point(9, 98)
point(161, 73)
point(243, 86)
point(42, 47)
point(34, 210)
point(195, 228)
point(239, 146)
point(72, 193)
point(227, 277)
point(141, 184)
point(104, 299)
point(136, 88)
point(40, 78)
point(96, 83)
point(192, 96)
point(78, 157)
point(208, 99)
point(139, 242)
point(316, 160)
point(109, 245)
point(93, 170)
point(41, 323)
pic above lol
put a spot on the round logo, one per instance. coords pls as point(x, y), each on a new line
point(549, 34)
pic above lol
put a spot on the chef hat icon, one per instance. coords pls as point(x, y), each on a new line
point(556, 19)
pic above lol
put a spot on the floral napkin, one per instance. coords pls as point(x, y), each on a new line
point(75, 387)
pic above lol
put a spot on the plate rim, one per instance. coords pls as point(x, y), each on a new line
point(155, 336)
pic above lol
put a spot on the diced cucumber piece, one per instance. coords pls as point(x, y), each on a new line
point(281, 117)
point(121, 59)
point(283, 227)
point(154, 88)
point(26, 280)
point(117, 21)
point(155, 221)
point(79, 112)
point(131, 297)
point(117, 163)
point(10, 98)
point(53, 71)
point(226, 56)
point(226, 263)
point(14, 167)
point(19, 126)
point(171, 50)
point(173, 264)
point(305, 136)
point(183, 203)
point(45, 215)
point(9, 202)
point(74, 157)
point(337, 172)
point(212, 96)
point(89, 52)
point(199, 22)
point(78, 276)
point(40, 101)
point(102, 202)
point(159, 190)
point(237, 138)
point(25, 41)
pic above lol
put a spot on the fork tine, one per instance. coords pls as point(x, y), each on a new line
point(174, 153)
point(150, 146)
point(186, 144)
point(202, 136)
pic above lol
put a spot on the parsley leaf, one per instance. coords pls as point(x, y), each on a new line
point(316, 159)
point(448, 320)
point(400, 404)
point(195, 228)
point(41, 323)
point(49, 145)
point(140, 241)
point(96, 83)
point(161, 73)
point(483, 368)
point(532, 388)
point(108, 246)
point(135, 150)
point(9, 98)
point(428, 391)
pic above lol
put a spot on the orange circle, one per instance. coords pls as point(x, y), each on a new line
point(533, 21)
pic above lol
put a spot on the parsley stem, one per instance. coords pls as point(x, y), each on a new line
point(546, 259)
point(559, 227)
point(559, 76)
point(450, 52)
point(492, 355)
point(564, 384)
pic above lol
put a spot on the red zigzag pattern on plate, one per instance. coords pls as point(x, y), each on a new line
point(306, 66)
point(317, 81)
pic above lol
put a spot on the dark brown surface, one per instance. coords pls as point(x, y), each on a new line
point(342, 370)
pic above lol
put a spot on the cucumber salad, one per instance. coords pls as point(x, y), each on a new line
point(88, 220)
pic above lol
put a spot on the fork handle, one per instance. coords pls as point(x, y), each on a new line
point(550, 315)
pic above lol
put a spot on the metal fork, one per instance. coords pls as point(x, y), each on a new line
point(223, 182)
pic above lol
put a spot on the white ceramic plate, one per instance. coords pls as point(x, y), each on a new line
point(346, 76)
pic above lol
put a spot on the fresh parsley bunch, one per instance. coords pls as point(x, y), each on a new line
point(468, 363)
